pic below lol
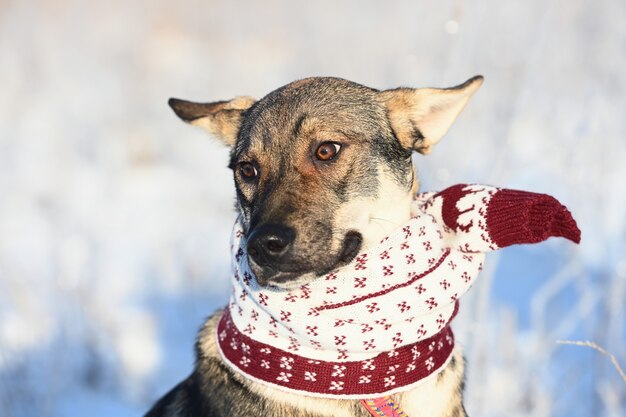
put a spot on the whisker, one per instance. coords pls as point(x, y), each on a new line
point(386, 220)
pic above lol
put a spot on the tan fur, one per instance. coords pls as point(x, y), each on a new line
point(426, 111)
point(221, 119)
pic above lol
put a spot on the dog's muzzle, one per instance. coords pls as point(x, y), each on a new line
point(271, 250)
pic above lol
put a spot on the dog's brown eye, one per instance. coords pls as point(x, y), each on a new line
point(327, 151)
point(248, 171)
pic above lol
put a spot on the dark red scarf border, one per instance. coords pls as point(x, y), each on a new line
point(384, 374)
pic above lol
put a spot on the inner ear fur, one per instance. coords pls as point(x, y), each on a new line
point(420, 117)
point(220, 118)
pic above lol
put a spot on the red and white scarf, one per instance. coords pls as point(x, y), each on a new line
point(380, 324)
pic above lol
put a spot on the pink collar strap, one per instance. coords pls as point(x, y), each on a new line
point(383, 407)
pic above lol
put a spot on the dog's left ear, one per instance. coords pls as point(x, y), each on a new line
point(420, 117)
point(220, 118)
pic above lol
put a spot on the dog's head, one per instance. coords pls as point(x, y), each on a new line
point(322, 166)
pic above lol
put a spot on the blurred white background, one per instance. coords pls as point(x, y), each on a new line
point(115, 216)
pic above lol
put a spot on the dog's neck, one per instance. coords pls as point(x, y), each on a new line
point(380, 324)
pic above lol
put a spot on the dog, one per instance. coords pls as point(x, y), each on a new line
point(323, 170)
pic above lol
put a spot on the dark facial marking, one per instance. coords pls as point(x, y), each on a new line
point(395, 156)
point(298, 126)
point(341, 189)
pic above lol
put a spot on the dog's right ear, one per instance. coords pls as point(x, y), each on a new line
point(221, 118)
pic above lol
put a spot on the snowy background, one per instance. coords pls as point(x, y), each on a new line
point(115, 216)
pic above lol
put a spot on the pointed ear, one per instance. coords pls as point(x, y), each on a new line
point(420, 117)
point(221, 118)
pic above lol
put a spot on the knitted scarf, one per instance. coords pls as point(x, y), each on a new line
point(380, 324)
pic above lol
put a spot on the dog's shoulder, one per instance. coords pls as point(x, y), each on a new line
point(239, 396)
point(212, 390)
point(174, 403)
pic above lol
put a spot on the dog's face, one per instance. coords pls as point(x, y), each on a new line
point(322, 167)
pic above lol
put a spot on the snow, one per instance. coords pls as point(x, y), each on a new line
point(114, 216)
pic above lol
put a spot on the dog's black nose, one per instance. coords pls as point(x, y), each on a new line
point(268, 243)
